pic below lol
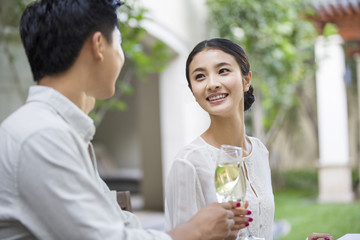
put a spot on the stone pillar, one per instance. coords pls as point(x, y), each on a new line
point(334, 163)
point(357, 60)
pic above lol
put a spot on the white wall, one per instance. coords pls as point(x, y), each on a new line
point(181, 118)
point(184, 19)
point(181, 24)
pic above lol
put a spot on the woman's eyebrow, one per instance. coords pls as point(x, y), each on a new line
point(199, 69)
point(222, 64)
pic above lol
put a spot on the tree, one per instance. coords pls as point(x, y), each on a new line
point(279, 44)
point(10, 12)
point(143, 58)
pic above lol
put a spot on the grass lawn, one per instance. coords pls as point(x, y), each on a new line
point(305, 215)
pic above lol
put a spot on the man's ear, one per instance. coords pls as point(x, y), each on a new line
point(97, 45)
point(247, 81)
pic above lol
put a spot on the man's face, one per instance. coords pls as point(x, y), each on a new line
point(113, 62)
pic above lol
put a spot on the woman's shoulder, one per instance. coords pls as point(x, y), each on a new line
point(258, 145)
point(195, 152)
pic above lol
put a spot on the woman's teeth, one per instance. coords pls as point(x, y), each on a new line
point(220, 96)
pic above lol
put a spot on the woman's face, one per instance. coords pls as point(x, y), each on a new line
point(217, 82)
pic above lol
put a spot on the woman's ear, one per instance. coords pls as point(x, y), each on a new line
point(97, 45)
point(247, 81)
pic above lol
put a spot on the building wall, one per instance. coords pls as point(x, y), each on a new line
point(180, 24)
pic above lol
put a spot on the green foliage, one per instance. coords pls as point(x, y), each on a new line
point(301, 179)
point(279, 44)
point(10, 11)
point(145, 58)
point(355, 178)
point(330, 29)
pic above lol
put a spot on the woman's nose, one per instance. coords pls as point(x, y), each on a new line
point(213, 83)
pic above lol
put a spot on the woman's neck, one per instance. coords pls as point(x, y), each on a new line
point(230, 131)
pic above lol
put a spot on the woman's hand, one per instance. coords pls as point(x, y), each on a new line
point(241, 218)
point(320, 236)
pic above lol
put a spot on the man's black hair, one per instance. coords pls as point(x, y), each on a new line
point(54, 31)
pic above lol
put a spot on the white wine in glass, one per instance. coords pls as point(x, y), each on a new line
point(230, 181)
point(228, 185)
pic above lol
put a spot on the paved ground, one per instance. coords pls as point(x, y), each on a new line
point(281, 228)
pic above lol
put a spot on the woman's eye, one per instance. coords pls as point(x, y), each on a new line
point(224, 70)
point(199, 76)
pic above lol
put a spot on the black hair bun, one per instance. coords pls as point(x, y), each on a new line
point(249, 98)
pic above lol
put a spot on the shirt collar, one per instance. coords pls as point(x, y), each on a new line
point(71, 113)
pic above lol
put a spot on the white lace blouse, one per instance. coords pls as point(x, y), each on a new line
point(190, 185)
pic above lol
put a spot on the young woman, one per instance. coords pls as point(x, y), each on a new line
point(219, 76)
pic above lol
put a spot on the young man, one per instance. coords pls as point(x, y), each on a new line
point(49, 185)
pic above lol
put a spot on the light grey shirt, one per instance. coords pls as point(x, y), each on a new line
point(190, 185)
point(49, 185)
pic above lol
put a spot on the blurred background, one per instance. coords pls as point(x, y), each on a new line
point(305, 60)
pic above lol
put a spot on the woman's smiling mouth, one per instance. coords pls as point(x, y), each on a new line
point(216, 97)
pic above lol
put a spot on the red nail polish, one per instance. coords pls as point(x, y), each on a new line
point(327, 238)
point(246, 224)
point(238, 204)
point(250, 220)
point(248, 212)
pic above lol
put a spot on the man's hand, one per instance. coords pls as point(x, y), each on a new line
point(214, 221)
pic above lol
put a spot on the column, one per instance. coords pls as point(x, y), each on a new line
point(334, 164)
point(357, 60)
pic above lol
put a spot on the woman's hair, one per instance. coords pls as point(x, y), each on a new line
point(231, 48)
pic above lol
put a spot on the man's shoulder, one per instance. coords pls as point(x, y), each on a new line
point(31, 118)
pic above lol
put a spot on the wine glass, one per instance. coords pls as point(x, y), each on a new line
point(230, 182)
